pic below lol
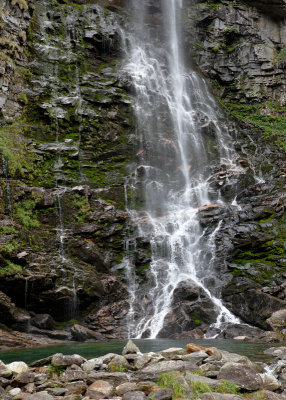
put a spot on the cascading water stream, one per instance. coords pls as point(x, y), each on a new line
point(175, 157)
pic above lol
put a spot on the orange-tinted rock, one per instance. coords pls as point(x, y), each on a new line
point(192, 348)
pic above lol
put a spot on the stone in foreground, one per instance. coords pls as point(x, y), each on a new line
point(125, 387)
point(192, 348)
point(130, 348)
point(173, 352)
point(40, 396)
point(161, 394)
point(165, 366)
point(60, 360)
point(134, 396)
point(99, 390)
point(220, 396)
point(18, 367)
point(241, 375)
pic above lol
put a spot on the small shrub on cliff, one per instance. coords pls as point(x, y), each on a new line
point(83, 208)
point(10, 268)
point(23, 98)
point(25, 214)
point(10, 247)
point(168, 380)
point(7, 230)
point(281, 56)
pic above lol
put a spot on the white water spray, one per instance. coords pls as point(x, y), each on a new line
point(181, 135)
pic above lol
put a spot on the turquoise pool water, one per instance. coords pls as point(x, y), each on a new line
point(91, 350)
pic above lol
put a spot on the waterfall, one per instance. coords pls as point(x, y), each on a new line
point(181, 136)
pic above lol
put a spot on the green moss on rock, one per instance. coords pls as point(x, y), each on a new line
point(269, 116)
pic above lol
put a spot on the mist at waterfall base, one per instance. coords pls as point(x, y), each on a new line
point(175, 157)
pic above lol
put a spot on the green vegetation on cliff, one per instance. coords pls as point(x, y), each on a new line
point(269, 116)
point(10, 268)
point(65, 140)
point(23, 164)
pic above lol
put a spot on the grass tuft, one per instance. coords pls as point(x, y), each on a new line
point(199, 388)
point(228, 387)
point(116, 368)
point(168, 380)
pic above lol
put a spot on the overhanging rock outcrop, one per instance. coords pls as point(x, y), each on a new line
point(276, 8)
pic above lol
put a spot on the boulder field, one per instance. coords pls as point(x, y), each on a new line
point(175, 373)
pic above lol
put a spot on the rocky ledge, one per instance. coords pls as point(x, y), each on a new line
point(176, 373)
point(277, 8)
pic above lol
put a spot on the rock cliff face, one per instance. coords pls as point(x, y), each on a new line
point(66, 121)
point(66, 142)
point(242, 50)
point(276, 8)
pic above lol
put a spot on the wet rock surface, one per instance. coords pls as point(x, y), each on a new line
point(66, 126)
point(59, 201)
point(243, 61)
point(60, 378)
point(238, 46)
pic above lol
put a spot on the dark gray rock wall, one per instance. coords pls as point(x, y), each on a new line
point(238, 46)
point(67, 122)
point(64, 139)
point(276, 8)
